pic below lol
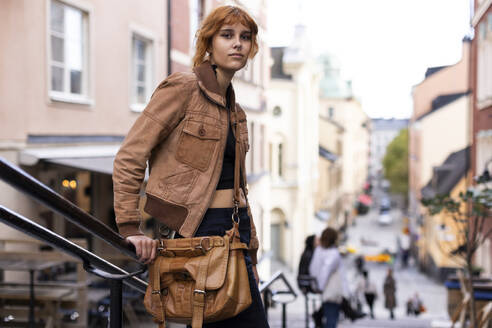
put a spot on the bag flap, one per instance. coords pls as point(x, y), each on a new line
point(217, 266)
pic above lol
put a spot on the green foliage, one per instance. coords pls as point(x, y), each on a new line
point(395, 163)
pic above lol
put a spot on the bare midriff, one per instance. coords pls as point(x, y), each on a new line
point(224, 198)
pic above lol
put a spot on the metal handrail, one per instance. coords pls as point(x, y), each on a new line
point(27, 184)
point(268, 294)
point(275, 277)
point(39, 232)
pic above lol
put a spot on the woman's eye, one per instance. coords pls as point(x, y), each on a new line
point(226, 35)
point(246, 37)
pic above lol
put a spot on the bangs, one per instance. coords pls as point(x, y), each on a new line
point(238, 17)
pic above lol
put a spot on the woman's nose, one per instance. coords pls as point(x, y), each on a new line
point(237, 43)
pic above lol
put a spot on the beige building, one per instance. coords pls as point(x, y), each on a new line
point(439, 137)
point(68, 96)
point(440, 86)
point(294, 152)
point(338, 103)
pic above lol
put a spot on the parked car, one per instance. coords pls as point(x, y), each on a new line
point(385, 217)
point(385, 203)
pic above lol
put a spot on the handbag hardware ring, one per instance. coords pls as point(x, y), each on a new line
point(201, 246)
point(199, 291)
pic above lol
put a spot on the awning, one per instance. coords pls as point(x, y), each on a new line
point(94, 164)
point(323, 152)
point(365, 199)
point(97, 158)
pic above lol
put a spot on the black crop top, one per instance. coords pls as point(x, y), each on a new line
point(226, 180)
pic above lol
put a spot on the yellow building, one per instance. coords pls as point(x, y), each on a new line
point(440, 234)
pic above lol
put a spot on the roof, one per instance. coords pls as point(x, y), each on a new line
point(323, 152)
point(277, 70)
point(450, 173)
point(432, 70)
point(441, 101)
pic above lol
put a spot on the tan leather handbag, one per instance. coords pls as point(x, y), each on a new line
point(200, 279)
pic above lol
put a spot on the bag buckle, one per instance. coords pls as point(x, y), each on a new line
point(201, 246)
point(161, 245)
point(156, 292)
point(199, 291)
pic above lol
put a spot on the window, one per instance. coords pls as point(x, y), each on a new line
point(482, 31)
point(489, 20)
point(196, 16)
point(277, 111)
point(141, 71)
point(68, 52)
point(253, 147)
point(262, 143)
point(484, 64)
point(331, 112)
point(280, 156)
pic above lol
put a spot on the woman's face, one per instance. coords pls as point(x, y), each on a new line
point(230, 47)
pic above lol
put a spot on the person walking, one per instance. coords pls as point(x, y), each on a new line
point(366, 288)
point(194, 137)
point(389, 288)
point(328, 270)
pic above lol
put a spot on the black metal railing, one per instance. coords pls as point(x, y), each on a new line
point(281, 296)
point(27, 184)
point(92, 263)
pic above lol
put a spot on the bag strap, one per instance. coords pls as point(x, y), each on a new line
point(155, 280)
point(199, 293)
point(237, 195)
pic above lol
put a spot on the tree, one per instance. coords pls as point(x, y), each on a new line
point(395, 164)
point(469, 214)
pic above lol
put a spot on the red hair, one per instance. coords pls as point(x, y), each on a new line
point(220, 16)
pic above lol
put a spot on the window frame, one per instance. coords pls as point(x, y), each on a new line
point(143, 34)
point(86, 97)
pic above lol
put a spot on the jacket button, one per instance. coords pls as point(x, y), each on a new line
point(201, 132)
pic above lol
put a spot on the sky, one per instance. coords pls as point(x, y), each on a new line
point(384, 46)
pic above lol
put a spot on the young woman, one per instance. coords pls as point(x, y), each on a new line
point(327, 267)
point(187, 135)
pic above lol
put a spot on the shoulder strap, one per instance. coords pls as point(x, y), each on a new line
point(237, 195)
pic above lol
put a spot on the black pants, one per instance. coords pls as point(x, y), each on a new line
point(215, 223)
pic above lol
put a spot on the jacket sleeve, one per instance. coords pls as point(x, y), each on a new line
point(253, 243)
point(161, 115)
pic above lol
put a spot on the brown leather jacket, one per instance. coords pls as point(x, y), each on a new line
point(182, 134)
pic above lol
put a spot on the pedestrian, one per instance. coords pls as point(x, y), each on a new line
point(327, 267)
point(304, 279)
point(415, 305)
point(404, 243)
point(195, 137)
point(389, 288)
point(366, 288)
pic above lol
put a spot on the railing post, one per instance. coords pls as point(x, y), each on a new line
point(284, 315)
point(32, 320)
point(116, 304)
point(306, 303)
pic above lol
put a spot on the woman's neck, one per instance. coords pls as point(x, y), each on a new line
point(224, 78)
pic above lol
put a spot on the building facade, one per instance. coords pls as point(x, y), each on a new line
point(441, 87)
point(339, 104)
point(481, 85)
point(293, 108)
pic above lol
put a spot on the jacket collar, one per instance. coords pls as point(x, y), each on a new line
point(209, 85)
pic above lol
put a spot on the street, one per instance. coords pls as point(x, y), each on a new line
point(369, 238)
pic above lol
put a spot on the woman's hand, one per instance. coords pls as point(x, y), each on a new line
point(145, 247)
point(257, 277)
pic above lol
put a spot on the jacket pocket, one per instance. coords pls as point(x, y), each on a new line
point(177, 187)
point(197, 144)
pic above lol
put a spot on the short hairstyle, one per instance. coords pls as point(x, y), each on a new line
point(329, 237)
point(214, 21)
